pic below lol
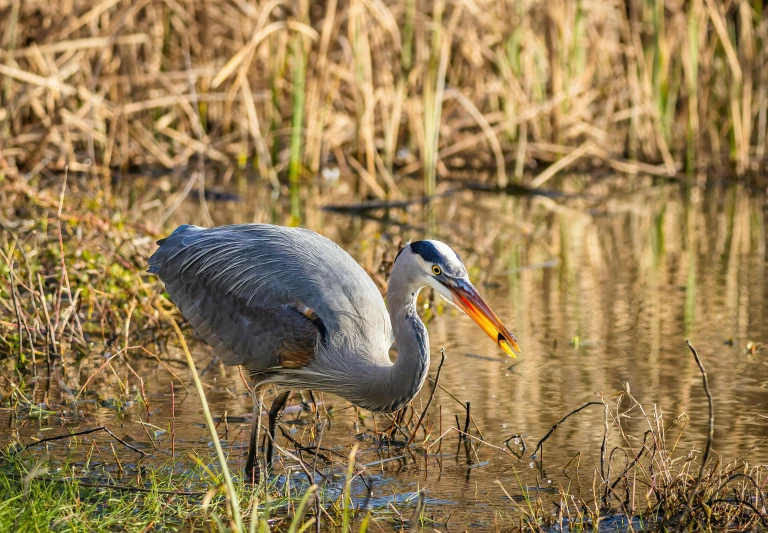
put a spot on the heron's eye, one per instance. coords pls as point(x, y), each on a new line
point(436, 270)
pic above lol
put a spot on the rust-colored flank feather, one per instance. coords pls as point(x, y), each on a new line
point(298, 352)
point(293, 355)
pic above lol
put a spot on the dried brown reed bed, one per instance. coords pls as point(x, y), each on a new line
point(386, 88)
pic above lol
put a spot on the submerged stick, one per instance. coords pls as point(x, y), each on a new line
point(552, 430)
point(634, 461)
point(83, 432)
point(449, 393)
point(710, 437)
point(522, 440)
point(466, 421)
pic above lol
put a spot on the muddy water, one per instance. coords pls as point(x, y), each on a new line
point(601, 286)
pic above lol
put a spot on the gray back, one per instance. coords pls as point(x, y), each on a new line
point(236, 284)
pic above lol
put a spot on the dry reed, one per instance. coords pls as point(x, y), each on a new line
point(386, 88)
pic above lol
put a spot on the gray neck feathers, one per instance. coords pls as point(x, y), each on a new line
point(378, 384)
point(404, 379)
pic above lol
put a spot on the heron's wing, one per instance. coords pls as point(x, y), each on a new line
point(266, 296)
point(258, 337)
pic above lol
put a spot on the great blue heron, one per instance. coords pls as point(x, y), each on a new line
point(297, 311)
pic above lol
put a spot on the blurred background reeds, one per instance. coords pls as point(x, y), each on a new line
point(383, 89)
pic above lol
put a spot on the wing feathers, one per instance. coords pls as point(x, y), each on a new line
point(266, 295)
point(241, 328)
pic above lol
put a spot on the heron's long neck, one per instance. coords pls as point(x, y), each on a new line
point(407, 375)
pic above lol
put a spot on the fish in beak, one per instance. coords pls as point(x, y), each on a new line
point(466, 298)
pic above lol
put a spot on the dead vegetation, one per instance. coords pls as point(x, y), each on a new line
point(384, 89)
point(648, 483)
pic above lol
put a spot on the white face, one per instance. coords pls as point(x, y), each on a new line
point(438, 264)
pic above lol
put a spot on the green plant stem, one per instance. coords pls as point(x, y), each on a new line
point(230, 486)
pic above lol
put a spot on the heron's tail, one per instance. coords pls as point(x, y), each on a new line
point(169, 246)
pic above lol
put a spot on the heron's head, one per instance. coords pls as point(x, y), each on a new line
point(435, 264)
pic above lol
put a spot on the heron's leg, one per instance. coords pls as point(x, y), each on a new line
point(252, 462)
point(275, 412)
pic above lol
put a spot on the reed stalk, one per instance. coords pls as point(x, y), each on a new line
point(321, 85)
point(9, 45)
point(434, 89)
point(346, 503)
point(692, 81)
point(229, 485)
point(297, 120)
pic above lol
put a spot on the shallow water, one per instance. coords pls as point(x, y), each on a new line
point(601, 286)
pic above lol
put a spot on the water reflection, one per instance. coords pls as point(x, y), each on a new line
point(602, 289)
point(601, 286)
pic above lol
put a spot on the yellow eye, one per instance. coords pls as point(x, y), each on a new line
point(436, 270)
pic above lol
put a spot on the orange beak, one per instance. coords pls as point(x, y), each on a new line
point(466, 298)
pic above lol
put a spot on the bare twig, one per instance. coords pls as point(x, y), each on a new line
point(545, 437)
point(429, 402)
point(83, 432)
point(710, 437)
